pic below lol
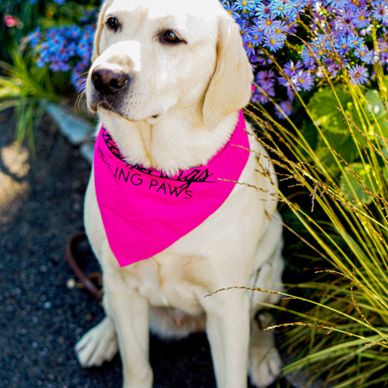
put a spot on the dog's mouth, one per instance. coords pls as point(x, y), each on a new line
point(108, 107)
point(103, 104)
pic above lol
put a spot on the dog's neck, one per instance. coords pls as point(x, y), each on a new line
point(176, 141)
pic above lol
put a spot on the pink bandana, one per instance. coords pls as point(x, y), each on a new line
point(144, 211)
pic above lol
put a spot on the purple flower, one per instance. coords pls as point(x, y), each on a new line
point(250, 49)
point(337, 4)
point(263, 10)
point(231, 8)
point(308, 57)
point(358, 75)
point(265, 77)
point(266, 24)
point(383, 48)
point(344, 21)
point(380, 11)
point(265, 86)
point(302, 80)
point(244, 6)
point(343, 45)
point(355, 5)
point(355, 41)
point(361, 18)
point(280, 7)
point(273, 43)
point(320, 46)
point(364, 54)
point(279, 28)
point(256, 36)
point(284, 109)
point(290, 68)
point(333, 68)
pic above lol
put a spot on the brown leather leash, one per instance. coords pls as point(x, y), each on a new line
point(90, 282)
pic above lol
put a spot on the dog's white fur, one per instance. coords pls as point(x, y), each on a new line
point(195, 90)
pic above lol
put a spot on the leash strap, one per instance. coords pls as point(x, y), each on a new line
point(91, 282)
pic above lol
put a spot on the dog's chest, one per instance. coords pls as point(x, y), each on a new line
point(172, 281)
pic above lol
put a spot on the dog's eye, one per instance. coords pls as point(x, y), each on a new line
point(113, 23)
point(170, 37)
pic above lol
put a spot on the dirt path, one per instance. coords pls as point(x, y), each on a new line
point(40, 318)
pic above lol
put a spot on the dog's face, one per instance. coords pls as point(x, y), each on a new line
point(151, 56)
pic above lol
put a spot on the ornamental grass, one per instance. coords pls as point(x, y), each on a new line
point(333, 166)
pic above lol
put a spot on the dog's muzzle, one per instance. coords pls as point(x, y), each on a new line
point(108, 82)
point(109, 88)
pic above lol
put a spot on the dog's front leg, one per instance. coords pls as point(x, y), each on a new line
point(129, 312)
point(227, 327)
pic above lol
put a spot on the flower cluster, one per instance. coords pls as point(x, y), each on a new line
point(308, 39)
point(65, 49)
point(12, 21)
point(58, 2)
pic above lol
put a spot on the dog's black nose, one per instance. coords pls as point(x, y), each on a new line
point(108, 82)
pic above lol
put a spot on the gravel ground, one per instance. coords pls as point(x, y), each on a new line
point(40, 318)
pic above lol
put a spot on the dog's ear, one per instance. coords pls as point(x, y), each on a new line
point(100, 26)
point(230, 87)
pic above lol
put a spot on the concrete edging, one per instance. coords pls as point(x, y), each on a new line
point(74, 128)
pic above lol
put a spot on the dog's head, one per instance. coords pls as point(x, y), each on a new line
point(152, 56)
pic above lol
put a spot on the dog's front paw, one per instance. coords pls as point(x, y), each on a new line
point(97, 345)
point(264, 367)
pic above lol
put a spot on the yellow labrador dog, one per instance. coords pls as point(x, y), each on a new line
point(167, 81)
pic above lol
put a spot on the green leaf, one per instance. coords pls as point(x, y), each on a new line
point(357, 183)
point(375, 104)
point(342, 144)
point(8, 88)
point(325, 109)
point(310, 134)
point(385, 173)
point(376, 110)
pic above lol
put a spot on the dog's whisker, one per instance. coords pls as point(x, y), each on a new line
point(80, 103)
